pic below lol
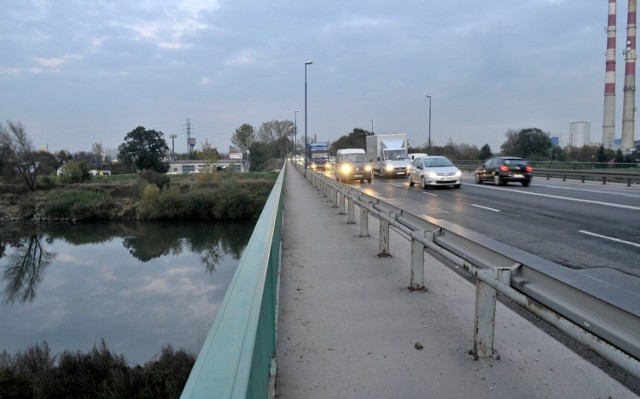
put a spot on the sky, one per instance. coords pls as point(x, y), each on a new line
point(80, 72)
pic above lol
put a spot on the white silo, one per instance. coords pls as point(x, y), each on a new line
point(579, 133)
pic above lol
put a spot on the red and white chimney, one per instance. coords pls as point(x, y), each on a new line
point(629, 102)
point(609, 119)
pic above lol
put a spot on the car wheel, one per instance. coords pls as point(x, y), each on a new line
point(369, 180)
point(423, 183)
point(525, 183)
point(497, 180)
point(478, 178)
point(411, 183)
point(456, 185)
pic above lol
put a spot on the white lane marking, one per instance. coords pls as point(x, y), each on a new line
point(399, 185)
point(633, 208)
point(609, 238)
point(485, 207)
point(433, 195)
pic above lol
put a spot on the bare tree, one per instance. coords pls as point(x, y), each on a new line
point(21, 155)
point(98, 151)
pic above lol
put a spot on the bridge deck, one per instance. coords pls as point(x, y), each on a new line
point(348, 327)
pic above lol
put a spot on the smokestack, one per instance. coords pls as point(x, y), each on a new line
point(609, 119)
point(629, 103)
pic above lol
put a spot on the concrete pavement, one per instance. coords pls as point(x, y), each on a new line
point(349, 328)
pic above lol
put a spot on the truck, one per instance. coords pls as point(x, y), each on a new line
point(318, 155)
point(388, 154)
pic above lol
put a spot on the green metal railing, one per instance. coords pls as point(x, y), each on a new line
point(237, 359)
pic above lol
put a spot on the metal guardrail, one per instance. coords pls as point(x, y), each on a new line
point(612, 175)
point(599, 174)
point(237, 359)
point(575, 303)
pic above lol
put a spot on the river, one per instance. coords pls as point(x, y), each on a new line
point(137, 285)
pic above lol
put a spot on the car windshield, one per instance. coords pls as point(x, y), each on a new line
point(437, 162)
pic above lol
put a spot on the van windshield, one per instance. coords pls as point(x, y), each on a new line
point(354, 158)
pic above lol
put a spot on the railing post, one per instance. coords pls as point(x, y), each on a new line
point(334, 197)
point(364, 222)
point(416, 282)
point(350, 211)
point(341, 204)
point(485, 315)
point(383, 247)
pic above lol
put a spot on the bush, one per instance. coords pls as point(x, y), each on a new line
point(75, 172)
point(35, 373)
point(153, 177)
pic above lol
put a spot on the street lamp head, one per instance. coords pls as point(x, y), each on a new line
point(308, 63)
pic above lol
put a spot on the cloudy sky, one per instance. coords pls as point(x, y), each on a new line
point(80, 72)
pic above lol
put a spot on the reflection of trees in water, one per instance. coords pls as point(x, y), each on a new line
point(24, 269)
point(144, 240)
point(210, 240)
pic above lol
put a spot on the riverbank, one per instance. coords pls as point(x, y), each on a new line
point(220, 196)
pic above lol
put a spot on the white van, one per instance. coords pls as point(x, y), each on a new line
point(352, 164)
point(417, 155)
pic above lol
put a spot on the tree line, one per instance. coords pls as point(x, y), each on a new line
point(147, 149)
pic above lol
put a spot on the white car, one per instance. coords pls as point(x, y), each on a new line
point(434, 171)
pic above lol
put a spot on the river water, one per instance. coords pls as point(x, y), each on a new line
point(137, 285)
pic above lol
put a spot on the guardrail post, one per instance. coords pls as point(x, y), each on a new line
point(364, 222)
point(383, 247)
point(417, 264)
point(604, 179)
point(341, 204)
point(350, 214)
point(485, 315)
point(334, 197)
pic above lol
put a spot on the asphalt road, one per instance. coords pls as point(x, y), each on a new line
point(578, 225)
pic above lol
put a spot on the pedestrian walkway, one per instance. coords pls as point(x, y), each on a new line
point(349, 328)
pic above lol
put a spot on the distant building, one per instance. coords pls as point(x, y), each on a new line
point(183, 167)
point(579, 133)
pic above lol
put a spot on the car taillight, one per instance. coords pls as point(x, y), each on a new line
point(529, 169)
point(504, 168)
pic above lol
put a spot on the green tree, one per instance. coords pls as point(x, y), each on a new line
point(75, 172)
point(485, 152)
point(355, 139)
point(19, 154)
point(243, 138)
point(530, 143)
point(146, 149)
point(278, 132)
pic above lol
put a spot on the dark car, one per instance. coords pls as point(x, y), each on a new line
point(502, 170)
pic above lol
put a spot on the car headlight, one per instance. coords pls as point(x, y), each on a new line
point(458, 173)
point(367, 168)
point(345, 169)
point(432, 175)
point(388, 168)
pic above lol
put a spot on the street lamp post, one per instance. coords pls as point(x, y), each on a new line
point(429, 142)
point(365, 136)
point(305, 115)
point(295, 134)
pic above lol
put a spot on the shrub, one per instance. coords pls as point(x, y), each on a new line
point(95, 374)
point(153, 177)
point(75, 172)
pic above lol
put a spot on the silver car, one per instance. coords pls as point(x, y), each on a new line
point(434, 171)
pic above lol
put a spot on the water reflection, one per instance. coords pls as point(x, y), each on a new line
point(138, 285)
point(24, 270)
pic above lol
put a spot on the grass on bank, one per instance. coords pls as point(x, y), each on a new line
point(153, 196)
